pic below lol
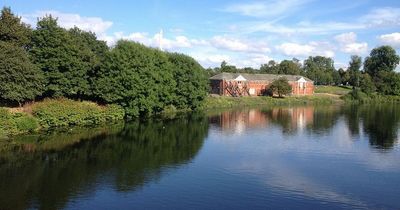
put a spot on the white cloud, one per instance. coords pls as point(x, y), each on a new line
point(346, 37)
point(348, 44)
point(355, 48)
point(177, 42)
point(303, 50)
point(266, 8)
point(382, 17)
point(392, 39)
point(210, 59)
point(233, 44)
point(69, 20)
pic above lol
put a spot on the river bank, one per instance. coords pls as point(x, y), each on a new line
point(63, 113)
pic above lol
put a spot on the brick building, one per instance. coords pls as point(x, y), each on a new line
point(238, 84)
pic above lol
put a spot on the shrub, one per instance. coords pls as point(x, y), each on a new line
point(65, 112)
point(281, 87)
point(18, 123)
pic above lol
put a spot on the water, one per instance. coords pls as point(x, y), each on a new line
point(280, 158)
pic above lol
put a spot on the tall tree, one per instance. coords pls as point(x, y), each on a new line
point(382, 58)
point(191, 81)
point(20, 79)
point(354, 70)
point(13, 30)
point(380, 65)
point(136, 77)
point(63, 57)
point(289, 67)
point(270, 68)
point(320, 69)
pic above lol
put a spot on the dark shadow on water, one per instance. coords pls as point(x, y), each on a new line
point(46, 171)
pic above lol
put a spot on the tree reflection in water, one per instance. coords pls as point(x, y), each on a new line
point(46, 175)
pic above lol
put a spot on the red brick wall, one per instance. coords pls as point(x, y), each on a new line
point(259, 87)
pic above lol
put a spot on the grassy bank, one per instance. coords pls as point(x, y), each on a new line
point(231, 102)
point(335, 90)
point(53, 113)
point(358, 97)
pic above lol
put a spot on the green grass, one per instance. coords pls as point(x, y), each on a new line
point(336, 90)
point(231, 102)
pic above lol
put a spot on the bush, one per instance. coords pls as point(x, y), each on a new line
point(65, 112)
point(281, 87)
point(18, 123)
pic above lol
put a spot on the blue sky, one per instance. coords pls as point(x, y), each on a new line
point(244, 33)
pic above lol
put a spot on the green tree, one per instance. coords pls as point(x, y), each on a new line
point(63, 57)
point(228, 68)
point(388, 83)
point(280, 87)
point(382, 58)
point(320, 69)
point(366, 84)
point(13, 30)
point(289, 67)
point(344, 76)
point(270, 68)
point(136, 77)
point(354, 70)
point(191, 81)
point(20, 79)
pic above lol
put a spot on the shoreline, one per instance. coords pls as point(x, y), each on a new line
point(83, 116)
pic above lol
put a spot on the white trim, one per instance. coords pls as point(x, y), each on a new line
point(302, 80)
point(240, 78)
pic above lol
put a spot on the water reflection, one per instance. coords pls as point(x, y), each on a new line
point(48, 175)
point(285, 158)
point(379, 122)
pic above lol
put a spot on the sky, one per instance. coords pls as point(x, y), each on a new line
point(243, 33)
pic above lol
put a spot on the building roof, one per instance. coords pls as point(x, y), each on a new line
point(257, 77)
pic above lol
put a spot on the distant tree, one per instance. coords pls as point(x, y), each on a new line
point(289, 67)
point(281, 87)
point(320, 69)
point(228, 68)
point(20, 79)
point(354, 70)
point(191, 81)
point(13, 30)
point(64, 57)
point(382, 58)
point(380, 65)
point(344, 75)
point(366, 84)
point(270, 68)
point(388, 83)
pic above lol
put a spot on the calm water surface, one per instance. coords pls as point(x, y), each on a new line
point(280, 158)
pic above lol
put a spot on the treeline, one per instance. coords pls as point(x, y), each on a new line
point(375, 74)
point(51, 62)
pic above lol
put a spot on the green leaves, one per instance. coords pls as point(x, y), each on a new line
point(20, 79)
point(281, 87)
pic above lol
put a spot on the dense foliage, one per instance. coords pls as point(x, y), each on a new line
point(65, 112)
point(280, 87)
point(51, 61)
point(20, 79)
point(16, 123)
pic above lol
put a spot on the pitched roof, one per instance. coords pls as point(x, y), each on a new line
point(257, 77)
